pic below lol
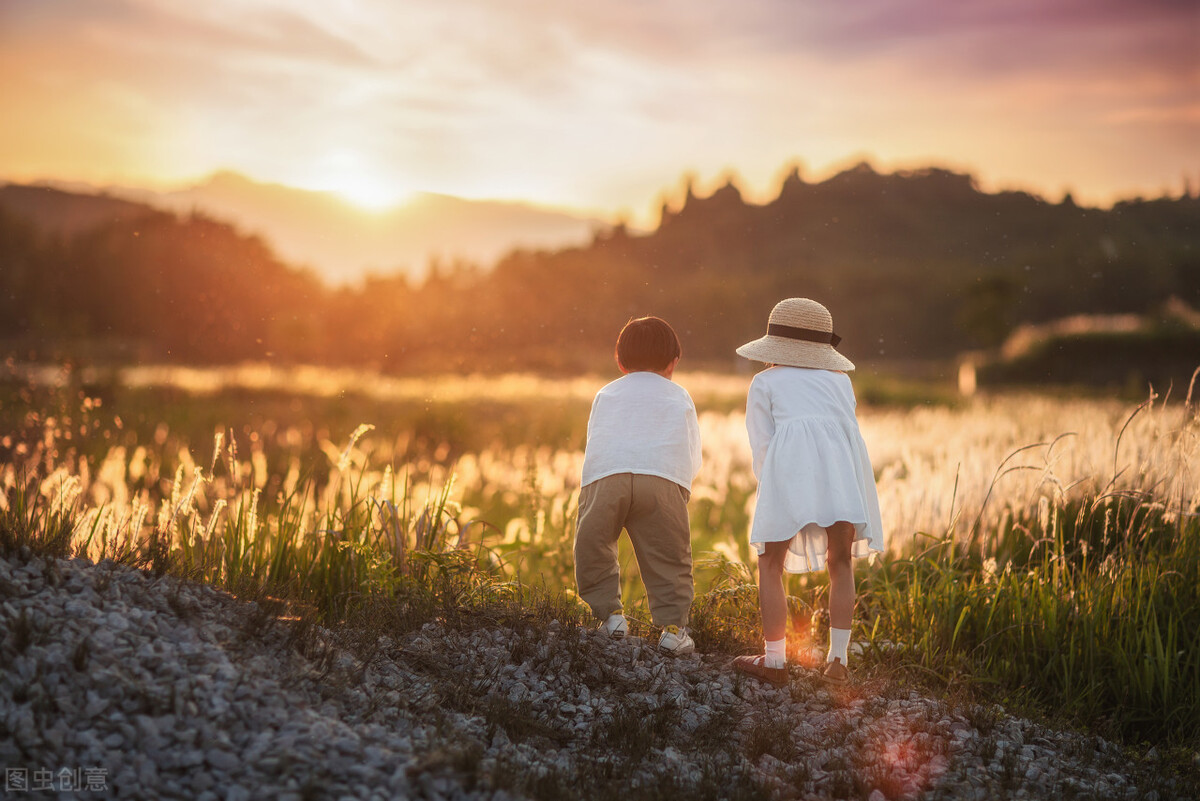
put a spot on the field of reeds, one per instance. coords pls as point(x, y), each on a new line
point(1044, 551)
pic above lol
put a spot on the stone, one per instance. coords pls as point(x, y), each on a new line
point(192, 707)
point(221, 760)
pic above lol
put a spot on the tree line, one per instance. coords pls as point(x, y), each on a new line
point(914, 265)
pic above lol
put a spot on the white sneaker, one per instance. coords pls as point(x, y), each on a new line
point(675, 641)
point(616, 626)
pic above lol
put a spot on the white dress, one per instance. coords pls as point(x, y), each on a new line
point(811, 464)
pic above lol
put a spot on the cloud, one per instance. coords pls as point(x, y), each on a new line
point(578, 100)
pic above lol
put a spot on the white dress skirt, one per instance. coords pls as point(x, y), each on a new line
point(811, 464)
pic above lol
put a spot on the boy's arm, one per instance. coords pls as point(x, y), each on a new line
point(592, 417)
point(598, 417)
point(693, 426)
point(760, 425)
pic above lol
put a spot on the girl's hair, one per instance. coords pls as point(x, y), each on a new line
point(647, 343)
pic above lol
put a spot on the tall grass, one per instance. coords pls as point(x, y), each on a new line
point(1107, 633)
point(29, 520)
point(1087, 604)
point(326, 552)
point(1062, 574)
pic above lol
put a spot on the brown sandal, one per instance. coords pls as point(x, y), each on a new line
point(835, 672)
point(756, 666)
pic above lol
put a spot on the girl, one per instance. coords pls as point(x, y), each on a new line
point(817, 507)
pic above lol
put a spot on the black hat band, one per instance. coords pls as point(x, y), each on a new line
point(806, 334)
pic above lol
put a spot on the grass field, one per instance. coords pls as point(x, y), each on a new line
point(1044, 551)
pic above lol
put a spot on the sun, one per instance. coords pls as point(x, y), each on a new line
point(370, 193)
point(354, 176)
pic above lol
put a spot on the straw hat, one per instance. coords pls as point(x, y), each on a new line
point(799, 334)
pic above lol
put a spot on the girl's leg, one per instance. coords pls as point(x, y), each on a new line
point(841, 574)
point(841, 600)
point(772, 602)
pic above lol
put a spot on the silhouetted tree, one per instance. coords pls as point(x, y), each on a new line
point(916, 264)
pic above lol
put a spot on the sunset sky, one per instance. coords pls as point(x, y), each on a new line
point(600, 106)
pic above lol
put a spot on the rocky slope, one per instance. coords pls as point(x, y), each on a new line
point(133, 686)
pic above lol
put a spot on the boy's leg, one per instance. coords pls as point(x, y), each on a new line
point(662, 542)
point(603, 506)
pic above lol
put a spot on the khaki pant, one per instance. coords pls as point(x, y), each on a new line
point(654, 512)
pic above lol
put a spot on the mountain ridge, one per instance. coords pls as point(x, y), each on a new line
point(914, 265)
point(343, 242)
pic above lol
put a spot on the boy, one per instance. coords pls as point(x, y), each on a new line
point(643, 451)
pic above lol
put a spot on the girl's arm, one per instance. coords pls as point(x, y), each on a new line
point(760, 424)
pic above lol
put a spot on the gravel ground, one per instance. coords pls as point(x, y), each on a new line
point(118, 684)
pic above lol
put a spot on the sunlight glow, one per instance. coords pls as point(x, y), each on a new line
point(585, 106)
point(356, 178)
point(368, 193)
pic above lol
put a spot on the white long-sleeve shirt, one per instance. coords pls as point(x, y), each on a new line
point(646, 424)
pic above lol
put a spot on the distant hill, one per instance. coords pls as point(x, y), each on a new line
point(342, 242)
point(915, 266)
point(63, 213)
point(1125, 353)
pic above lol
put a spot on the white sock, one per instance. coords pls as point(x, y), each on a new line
point(776, 653)
point(839, 644)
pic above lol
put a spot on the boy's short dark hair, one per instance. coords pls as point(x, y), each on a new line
point(647, 343)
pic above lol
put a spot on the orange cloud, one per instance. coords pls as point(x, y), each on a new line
point(597, 105)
